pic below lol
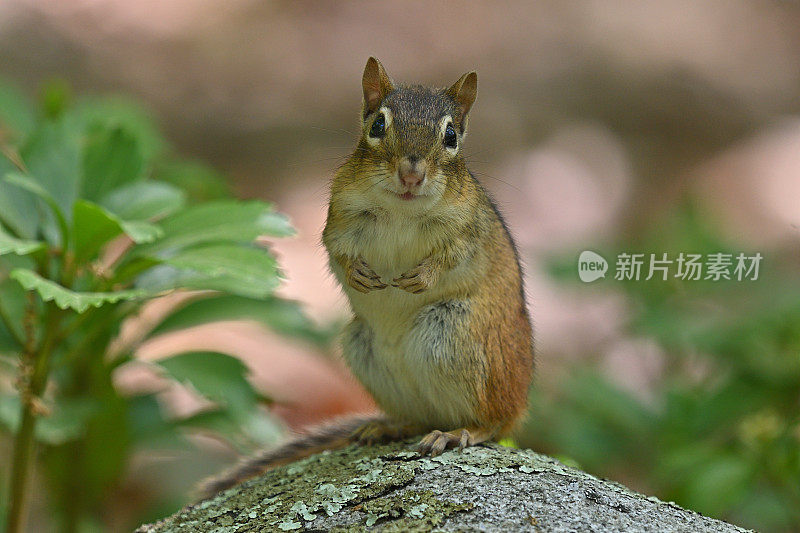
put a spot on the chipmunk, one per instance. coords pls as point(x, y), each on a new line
point(440, 336)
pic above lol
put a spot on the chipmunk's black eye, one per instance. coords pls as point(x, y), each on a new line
point(450, 138)
point(378, 128)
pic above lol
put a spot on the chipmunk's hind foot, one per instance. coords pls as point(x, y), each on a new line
point(435, 442)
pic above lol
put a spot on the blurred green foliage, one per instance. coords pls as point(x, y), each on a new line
point(719, 430)
point(98, 216)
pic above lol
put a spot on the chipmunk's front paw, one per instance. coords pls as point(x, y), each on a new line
point(362, 278)
point(418, 279)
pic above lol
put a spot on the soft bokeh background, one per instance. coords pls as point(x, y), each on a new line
point(638, 126)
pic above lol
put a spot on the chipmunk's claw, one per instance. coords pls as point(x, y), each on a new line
point(435, 442)
point(362, 278)
point(415, 281)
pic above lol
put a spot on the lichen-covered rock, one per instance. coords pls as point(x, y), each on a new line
point(390, 488)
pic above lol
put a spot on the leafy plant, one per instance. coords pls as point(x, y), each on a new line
point(719, 431)
point(98, 218)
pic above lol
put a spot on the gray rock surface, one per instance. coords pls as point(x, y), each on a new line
point(390, 488)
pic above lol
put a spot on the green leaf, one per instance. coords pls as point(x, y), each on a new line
point(140, 231)
point(12, 305)
point(216, 376)
point(18, 207)
point(93, 227)
point(252, 268)
point(12, 245)
point(200, 182)
point(129, 270)
point(115, 111)
point(67, 299)
point(213, 420)
point(144, 200)
point(225, 220)
point(246, 432)
point(54, 218)
point(283, 316)
point(55, 97)
point(242, 270)
point(16, 112)
point(148, 423)
point(111, 159)
point(52, 157)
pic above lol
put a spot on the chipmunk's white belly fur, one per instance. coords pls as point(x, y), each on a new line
point(402, 345)
point(415, 377)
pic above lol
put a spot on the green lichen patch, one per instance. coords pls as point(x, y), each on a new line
point(410, 511)
point(288, 497)
point(486, 461)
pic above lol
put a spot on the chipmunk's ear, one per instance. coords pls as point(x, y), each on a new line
point(464, 92)
point(376, 85)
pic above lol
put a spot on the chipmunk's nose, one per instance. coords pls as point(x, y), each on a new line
point(412, 171)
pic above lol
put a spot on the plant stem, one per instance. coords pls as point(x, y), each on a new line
point(23, 446)
point(31, 390)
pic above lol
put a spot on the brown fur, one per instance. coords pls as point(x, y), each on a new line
point(458, 230)
point(440, 335)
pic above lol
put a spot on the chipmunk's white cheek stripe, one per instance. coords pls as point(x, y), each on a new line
point(443, 124)
point(388, 115)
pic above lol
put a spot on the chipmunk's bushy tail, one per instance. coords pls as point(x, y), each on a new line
point(329, 436)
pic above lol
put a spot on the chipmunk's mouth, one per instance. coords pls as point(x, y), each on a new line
point(407, 196)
